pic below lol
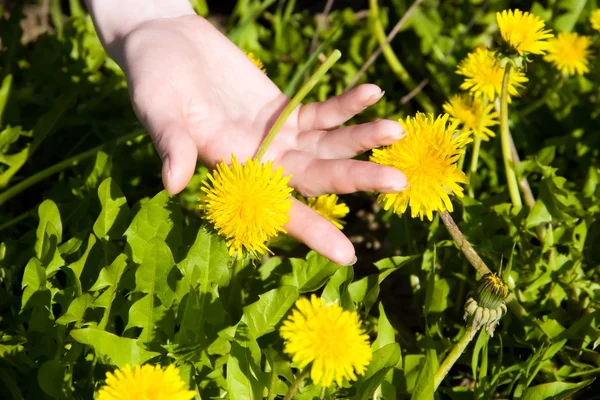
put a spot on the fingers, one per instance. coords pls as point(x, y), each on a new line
point(337, 110)
point(319, 234)
point(312, 176)
point(350, 141)
point(179, 153)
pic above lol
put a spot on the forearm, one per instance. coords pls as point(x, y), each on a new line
point(114, 19)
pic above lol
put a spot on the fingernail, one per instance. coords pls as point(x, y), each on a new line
point(376, 97)
point(394, 188)
point(166, 173)
point(354, 260)
point(397, 135)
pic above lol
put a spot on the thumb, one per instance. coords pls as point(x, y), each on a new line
point(179, 153)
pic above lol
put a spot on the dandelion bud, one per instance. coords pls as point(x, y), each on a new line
point(486, 304)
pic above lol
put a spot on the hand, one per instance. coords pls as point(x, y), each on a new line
point(201, 98)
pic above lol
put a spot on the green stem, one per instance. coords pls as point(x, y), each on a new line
point(511, 177)
point(296, 100)
point(477, 147)
point(394, 62)
point(297, 383)
point(69, 162)
point(461, 160)
point(453, 356)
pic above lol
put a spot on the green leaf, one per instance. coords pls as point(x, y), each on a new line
point(14, 162)
point(438, 301)
point(77, 266)
point(365, 291)
point(571, 11)
point(153, 276)
point(160, 218)
point(119, 351)
point(383, 361)
point(424, 386)
point(385, 331)
point(76, 310)
point(263, 315)
point(4, 93)
point(50, 378)
point(539, 214)
point(34, 280)
point(480, 348)
point(309, 275)
point(337, 288)
point(554, 390)
point(207, 262)
point(115, 211)
point(49, 236)
point(151, 316)
point(245, 380)
point(109, 278)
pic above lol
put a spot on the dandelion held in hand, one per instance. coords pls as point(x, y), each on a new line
point(327, 206)
point(248, 204)
point(427, 155)
point(483, 75)
point(569, 53)
point(470, 111)
point(523, 32)
point(328, 337)
point(143, 383)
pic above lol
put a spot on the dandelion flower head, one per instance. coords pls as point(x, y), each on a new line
point(522, 31)
point(427, 155)
point(146, 382)
point(328, 337)
point(248, 204)
point(328, 207)
point(569, 53)
point(256, 61)
point(483, 75)
point(473, 113)
point(595, 19)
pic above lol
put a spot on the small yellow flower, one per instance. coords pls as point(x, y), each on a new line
point(144, 383)
point(569, 53)
point(328, 337)
point(470, 111)
point(327, 206)
point(248, 204)
point(524, 32)
point(427, 155)
point(595, 19)
point(255, 60)
point(483, 75)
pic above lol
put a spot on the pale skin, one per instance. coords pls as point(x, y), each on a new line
point(202, 99)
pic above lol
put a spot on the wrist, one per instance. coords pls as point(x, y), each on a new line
point(115, 19)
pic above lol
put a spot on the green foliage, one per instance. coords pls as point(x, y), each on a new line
point(100, 268)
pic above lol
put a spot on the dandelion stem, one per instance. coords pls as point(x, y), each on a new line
point(453, 356)
point(511, 177)
point(464, 244)
point(296, 100)
point(296, 385)
point(476, 147)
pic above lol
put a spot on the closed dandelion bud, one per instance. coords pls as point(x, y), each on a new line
point(485, 305)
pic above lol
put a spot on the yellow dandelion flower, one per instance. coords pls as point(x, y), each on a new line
point(255, 60)
point(143, 383)
point(483, 75)
point(327, 206)
point(329, 338)
point(569, 53)
point(524, 32)
point(595, 19)
point(470, 111)
point(427, 155)
point(248, 204)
